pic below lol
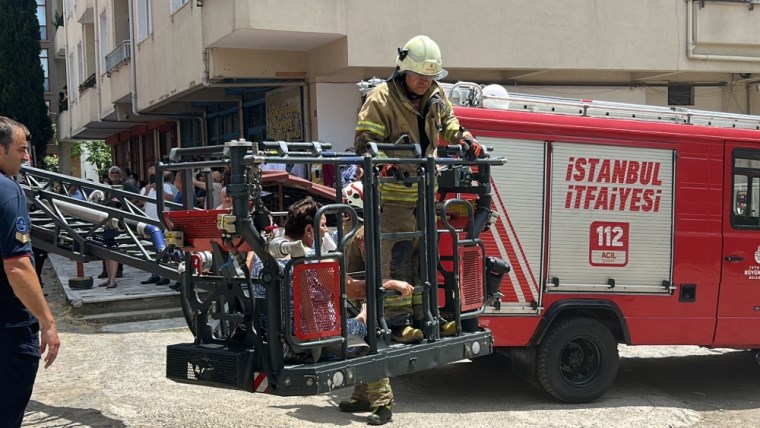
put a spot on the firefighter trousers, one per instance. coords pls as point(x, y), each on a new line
point(400, 258)
point(377, 393)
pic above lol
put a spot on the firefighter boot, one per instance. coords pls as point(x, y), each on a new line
point(381, 416)
point(448, 328)
point(354, 406)
point(409, 335)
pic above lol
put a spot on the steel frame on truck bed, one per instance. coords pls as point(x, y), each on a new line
point(233, 350)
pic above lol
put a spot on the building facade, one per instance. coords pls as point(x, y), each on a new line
point(147, 76)
point(47, 23)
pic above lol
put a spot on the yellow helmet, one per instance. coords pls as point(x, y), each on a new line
point(421, 55)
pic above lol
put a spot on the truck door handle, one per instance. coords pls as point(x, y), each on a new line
point(734, 259)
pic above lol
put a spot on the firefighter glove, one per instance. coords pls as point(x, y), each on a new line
point(472, 150)
point(392, 170)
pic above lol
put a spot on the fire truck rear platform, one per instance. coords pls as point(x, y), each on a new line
point(205, 249)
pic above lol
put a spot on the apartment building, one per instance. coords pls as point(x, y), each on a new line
point(147, 76)
point(47, 23)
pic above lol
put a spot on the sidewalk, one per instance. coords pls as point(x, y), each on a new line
point(130, 301)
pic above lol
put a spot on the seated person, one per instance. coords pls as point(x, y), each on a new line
point(226, 200)
point(299, 226)
point(397, 309)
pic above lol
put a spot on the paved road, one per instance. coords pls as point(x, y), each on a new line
point(116, 379)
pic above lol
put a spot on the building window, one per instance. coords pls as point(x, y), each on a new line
point(71, 72)
point(176, 5)
point(229, 126)
point(80, 64)
point(222, 124)
point(144, 20)
point(680, 95)
point(44, 64)
point(254, 114)
point(63, 99)
point(104, 44)
point(42, 19)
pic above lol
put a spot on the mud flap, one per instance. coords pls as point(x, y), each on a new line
point(523, 363)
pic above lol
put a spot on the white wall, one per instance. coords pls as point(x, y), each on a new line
point(87, 170)
point(337, 105)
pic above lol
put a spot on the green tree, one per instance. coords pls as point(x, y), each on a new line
point(50, 163)
point(98, 154)
point(21, 76)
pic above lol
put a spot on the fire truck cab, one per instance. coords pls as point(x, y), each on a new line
point(622, 224)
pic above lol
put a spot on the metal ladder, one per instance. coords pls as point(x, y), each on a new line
point(471, 95)
point(70, 227)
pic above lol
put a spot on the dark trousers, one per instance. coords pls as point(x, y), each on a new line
point(17, 373)
point(39, 261)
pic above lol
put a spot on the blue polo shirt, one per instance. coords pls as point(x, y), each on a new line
point(179, 196)
point(15, 234)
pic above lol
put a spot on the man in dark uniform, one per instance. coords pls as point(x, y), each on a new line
point(27, 327)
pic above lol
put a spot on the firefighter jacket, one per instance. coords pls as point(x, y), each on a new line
point(388, 113)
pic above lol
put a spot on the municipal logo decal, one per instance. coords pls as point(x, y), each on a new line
point(757, 254)
point(21, 224)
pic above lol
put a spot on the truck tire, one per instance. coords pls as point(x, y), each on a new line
point(577, 361)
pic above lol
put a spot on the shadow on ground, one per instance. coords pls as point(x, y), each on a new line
point(39, 414)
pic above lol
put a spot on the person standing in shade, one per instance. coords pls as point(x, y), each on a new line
point(27, 327)
point(114, 179)
point(152, 211)
point(217, 178)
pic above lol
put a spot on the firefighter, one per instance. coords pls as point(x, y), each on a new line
point(376, 397)
point(410, 102)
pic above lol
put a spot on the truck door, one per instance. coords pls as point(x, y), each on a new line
point(739, 298)
point(517, 235)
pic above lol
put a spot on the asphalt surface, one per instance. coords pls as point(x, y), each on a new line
point(113, 376)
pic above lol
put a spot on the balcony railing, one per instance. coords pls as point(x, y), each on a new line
point(118, 56)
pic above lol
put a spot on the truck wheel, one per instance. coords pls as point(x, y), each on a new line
point(577, 361)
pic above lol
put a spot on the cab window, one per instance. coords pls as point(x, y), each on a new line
point(745, 202)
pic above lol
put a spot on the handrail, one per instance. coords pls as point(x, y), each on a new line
point(120, 55)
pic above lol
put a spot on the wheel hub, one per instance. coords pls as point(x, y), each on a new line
point(579, 363)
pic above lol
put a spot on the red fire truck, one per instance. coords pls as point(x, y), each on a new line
point(622, 224)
